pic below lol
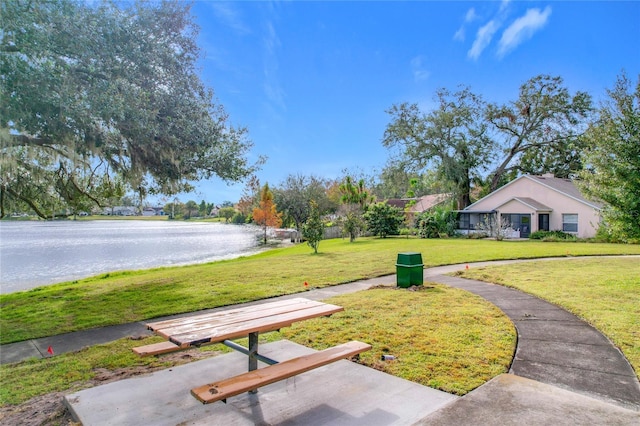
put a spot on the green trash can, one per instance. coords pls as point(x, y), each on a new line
point(409, 269)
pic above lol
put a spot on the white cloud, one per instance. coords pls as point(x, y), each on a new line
point(483, 38)
point(230, 16)
point(459, 35)
point(419, 69)
point(271, 40)
point(522, 29)
point(503, 5)
point(272, 88)
point(471, 15)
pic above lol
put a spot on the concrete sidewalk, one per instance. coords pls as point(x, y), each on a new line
point(561, 363)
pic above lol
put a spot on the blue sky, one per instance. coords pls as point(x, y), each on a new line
point(312, 80)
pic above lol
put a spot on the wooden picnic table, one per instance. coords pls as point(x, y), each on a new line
point(240, 322)
point(248, 321)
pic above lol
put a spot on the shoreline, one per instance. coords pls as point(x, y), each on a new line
point(62, 252)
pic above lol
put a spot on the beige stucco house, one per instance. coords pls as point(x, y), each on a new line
point(535, 203)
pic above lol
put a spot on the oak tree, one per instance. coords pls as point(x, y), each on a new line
point(294, 195)
point(538, 132)
point(96, 92)
point(451, 139)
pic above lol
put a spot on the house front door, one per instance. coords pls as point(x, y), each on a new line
point(543, 222)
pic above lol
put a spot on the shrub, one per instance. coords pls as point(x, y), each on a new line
point(437, 223)
point(238, 218)
point(383, 219)
point(552, 236)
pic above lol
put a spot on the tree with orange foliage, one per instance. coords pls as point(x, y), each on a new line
point(265, 214)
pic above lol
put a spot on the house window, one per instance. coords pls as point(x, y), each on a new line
point(570, 222)
point(464, 221)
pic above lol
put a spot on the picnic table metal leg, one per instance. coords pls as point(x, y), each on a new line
point(253, 351)
point(245, 351)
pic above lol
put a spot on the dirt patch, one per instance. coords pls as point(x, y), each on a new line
point(47, 409)
point(411, 288)
point(50, 410)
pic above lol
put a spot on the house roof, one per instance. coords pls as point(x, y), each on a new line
point(531, 203)
point(428, 201)
point(421, 204)
point(398, 202)
point(562, 186)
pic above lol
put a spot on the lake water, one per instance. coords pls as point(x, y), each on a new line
point(39, 253)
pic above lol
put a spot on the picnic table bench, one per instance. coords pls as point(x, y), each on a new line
point(248, 321)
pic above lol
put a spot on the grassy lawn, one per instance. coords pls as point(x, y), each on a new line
point(122, 297)
point(441, 337)
point(455, 350)
point(604, 292)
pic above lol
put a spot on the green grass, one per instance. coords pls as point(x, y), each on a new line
point(74, 371)
point(604, 292)
point(122, 297)
point(455, 350)
point(441, 337)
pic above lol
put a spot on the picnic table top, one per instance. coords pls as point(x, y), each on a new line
point(240, 322)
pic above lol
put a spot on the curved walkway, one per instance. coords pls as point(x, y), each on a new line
point(558, 348)
point(554, 346)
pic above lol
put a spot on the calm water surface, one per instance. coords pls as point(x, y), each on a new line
point(39, 253)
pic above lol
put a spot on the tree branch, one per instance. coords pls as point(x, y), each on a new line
point(26, 200)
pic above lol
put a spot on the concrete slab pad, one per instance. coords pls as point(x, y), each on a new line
point(343, 393)
point(513, 400)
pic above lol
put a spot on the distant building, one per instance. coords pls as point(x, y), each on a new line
point(153, 211)
point(535, 203)
point(120, 211)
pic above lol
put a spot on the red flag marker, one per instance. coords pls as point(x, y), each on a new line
point(50, 350)
point(306, 284)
